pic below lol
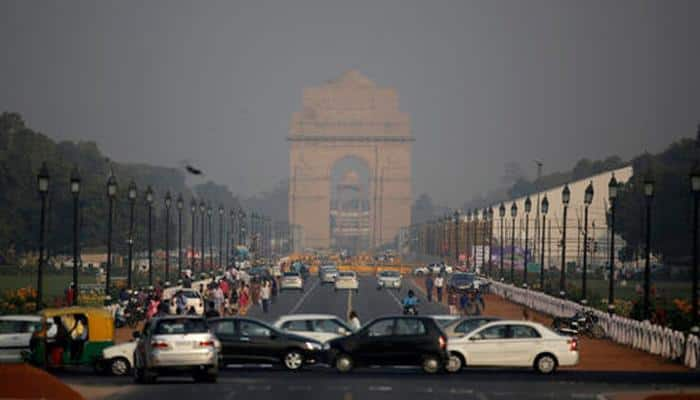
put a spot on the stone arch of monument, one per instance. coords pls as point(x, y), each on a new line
point(350, 117)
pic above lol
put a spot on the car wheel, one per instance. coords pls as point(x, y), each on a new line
point(545, 364)
point(119, 366)
point(454, 363)
point(293, 360)
point(431, 365)
point(343, 363)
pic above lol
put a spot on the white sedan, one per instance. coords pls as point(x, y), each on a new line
point(119, 358)
point(321, 327)
point(347, 280)
point(15, 333)
point(292, 280)
point(389, 280)
point(512, 343)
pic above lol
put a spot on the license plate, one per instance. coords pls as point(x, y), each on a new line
point(182, 343)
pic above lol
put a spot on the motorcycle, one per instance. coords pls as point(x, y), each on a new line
point(582, 323)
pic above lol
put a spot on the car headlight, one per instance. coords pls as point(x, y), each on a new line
point(312, 346)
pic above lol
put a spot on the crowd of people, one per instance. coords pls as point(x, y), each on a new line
point(459, 302)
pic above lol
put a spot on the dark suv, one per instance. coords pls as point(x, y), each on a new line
point(401, 340)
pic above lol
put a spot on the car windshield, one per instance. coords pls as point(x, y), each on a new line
point(347, 274)
point(389, 274)
point(180, 326)
point(291, 274)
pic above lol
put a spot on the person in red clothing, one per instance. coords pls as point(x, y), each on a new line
point(70, 295)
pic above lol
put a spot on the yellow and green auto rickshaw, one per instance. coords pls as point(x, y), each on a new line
point(72, 336)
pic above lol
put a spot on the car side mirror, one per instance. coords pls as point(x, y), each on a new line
point(136, 334)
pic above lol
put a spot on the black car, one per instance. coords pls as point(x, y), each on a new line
point(246, 341)
point(461, 282)
point(400, 340)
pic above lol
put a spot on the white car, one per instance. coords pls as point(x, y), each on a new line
point(347, 280)
point(389, 280)
point(15, 333)
point(292, 280)
point(513, 343)
point(328, 274)
point(119, 359)
point(193, 299)
point(321, 327)
point(437, 268)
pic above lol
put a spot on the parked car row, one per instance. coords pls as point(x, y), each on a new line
point(197, 347)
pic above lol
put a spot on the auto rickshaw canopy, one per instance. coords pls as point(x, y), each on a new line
point(100, 321)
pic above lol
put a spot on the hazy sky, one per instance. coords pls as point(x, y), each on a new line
point(485, 82)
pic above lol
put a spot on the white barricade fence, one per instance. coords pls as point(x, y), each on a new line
point(641, 335)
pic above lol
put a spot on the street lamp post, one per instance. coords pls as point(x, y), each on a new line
point(130, 241)
point(484, 226)
point(467, 248)
point(695, 188)
point(456, 221)
point(221, 236)
point(544, 208)
point(490, 219)
point(42, 179)
point(587, 200)
point(75, 190)
point(649, 195)
point(149, 206)
point(475, 219)
point(502, 214)
point(612, 194)
point(513, 214)
point(111, 193)
point(565, 198)
point(180, 204)
point(193, 210)
point(202, 222)
point(211, 245)
point(168, 203)
point(230, 232)
point(528, 208)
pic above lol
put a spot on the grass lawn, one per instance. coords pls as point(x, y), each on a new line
point(54, 284)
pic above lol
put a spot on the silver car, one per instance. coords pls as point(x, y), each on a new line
point(328, 274)
point(176, 345)
point(389, 280)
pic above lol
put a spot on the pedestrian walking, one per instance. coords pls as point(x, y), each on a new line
point(439, 284)
point(452, 302)
point(429, 287)
point(265, 294)
point(243, 300)
point(354, 320)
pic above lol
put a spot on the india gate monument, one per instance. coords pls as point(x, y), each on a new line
point(349, 137)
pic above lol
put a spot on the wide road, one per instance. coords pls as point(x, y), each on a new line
point(268, 382)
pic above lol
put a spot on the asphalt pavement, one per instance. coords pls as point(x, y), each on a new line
point(270, 382)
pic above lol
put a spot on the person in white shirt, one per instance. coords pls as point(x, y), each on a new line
point(354, 320)
point(439, 284)
point(265, 293)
